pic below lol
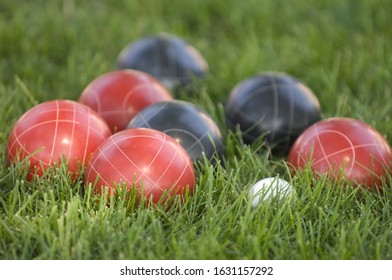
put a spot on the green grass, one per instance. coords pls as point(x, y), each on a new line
point(340, 49)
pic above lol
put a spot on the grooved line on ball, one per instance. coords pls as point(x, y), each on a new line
point(197, 140)
point(50, 121)
point(129, 159)
point(348, 149)
point(183, 171)
point(57, 121)
point(321, 146)
point(96, 171)
point(259, 90)
point(88, 137)
point(55, 132)
point(146, 120)
point(167, 168)
point(291, 113)
point(73, 130)
point(373, 134)
point(152, 161)
point(146, 88)
point(275, 95)
point(96, 98)
point(352, 148)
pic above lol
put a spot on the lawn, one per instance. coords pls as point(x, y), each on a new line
point(341, 49)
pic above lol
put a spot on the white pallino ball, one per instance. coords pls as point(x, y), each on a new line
point(269, 188)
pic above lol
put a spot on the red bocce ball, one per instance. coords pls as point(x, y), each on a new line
point(149, 160)
point(345, 146)
point(119, 95)
point(56, 130)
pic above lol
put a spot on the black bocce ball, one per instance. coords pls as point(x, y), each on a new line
point(166, 57)
point(193, 128)
point(272, 105)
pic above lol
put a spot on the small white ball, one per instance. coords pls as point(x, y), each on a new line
point(269, 188)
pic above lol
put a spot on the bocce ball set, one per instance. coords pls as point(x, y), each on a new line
point(127, 129)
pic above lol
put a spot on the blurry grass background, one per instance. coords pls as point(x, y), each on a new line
point(341, 49)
